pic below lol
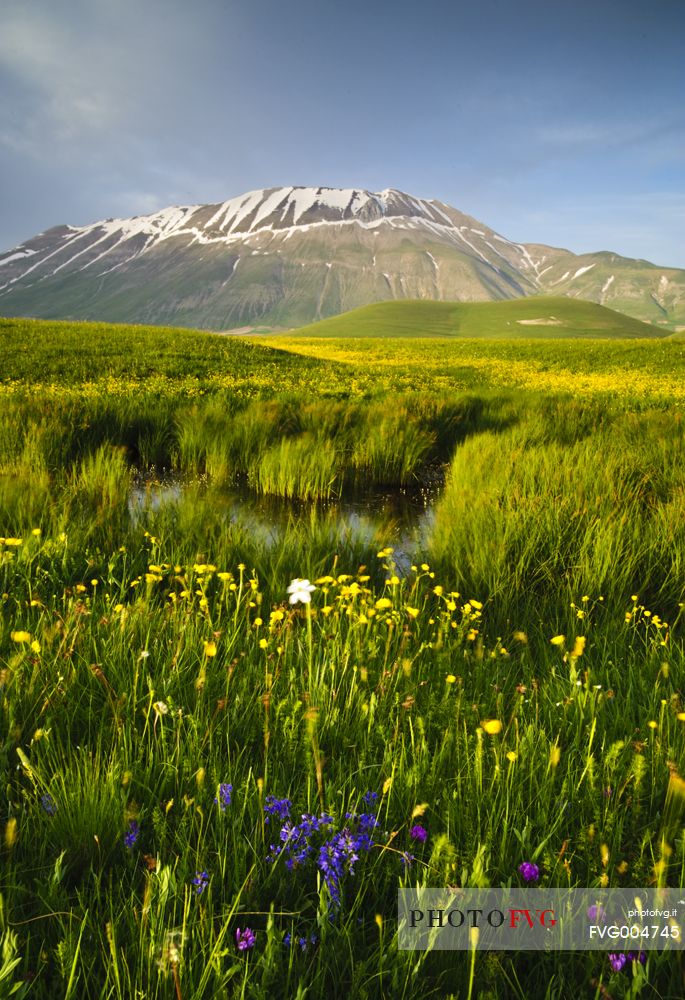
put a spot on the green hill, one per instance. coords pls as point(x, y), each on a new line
point(545, 316)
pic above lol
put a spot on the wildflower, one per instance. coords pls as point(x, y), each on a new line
point(596, 913)
point(48, 804)
point(300, 590)
point(201, 881)
point(35, 646)
point(277, 807)
point(617, 960)
point(210, 648)
point(382, 603)
point(132, 835)
point(419, 833)
point(492, 726)
point(224, 797)
point(244, 939)
point(512, 756)
point(20, 636)
point(412, 612)
point(370, 798)
point(637, 956)
point(558, 640)
point(529, 871)
point(406, 858)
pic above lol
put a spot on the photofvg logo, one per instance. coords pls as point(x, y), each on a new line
point(539, 919)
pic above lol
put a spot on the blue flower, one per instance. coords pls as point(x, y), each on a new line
point(132, 835)
point(277, 807)
point(48, 804)
point(224, 797)
point(201, 881)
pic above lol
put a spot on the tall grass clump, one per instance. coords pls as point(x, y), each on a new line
point(299, 467)
point(540, 511)
point(390, 447)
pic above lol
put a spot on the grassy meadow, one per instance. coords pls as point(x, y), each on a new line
point(211, 791)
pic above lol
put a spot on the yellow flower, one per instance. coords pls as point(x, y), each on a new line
point(412, 612)
point(451, 679)
point(438, 591)
point(652, 724)
point(578, 646)
point(681, 716)
point(35, 646)
point(263, 644)
point(210, 648)
point(13, 541)
point(512, 756)
point(383, 602)
point(20, 636)
point(36, 532)
point(558, 640)
point(475, 604)
point(492, 726)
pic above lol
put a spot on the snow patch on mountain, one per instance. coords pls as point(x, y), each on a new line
point(583, 270)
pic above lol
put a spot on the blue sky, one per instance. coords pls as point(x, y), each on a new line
point(552, 123)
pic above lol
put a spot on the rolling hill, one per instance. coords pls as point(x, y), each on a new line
point(544, 317)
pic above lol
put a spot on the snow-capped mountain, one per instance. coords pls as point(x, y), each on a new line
point(286, 256)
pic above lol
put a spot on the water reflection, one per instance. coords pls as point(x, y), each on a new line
point(402, 517)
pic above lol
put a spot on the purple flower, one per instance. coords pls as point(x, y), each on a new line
point(370, 798)
point(419, 833)
point(132, 835)
point(618, 960)
point(637, 956)
point(407, 859)
point(529, 871)
point(244, 939)
point(277, 807)
point(224, 797)
point(201, 881)
point(48, 804)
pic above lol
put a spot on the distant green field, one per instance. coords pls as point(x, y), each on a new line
point(546, 316)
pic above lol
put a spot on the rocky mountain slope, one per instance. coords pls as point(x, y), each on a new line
point(287, 256)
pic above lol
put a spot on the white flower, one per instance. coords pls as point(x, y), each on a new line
point(300, 590)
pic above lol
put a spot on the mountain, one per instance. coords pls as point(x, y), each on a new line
point(283, 257)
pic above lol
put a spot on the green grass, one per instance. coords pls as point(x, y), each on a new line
point(540, 316)
point(147, 657)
